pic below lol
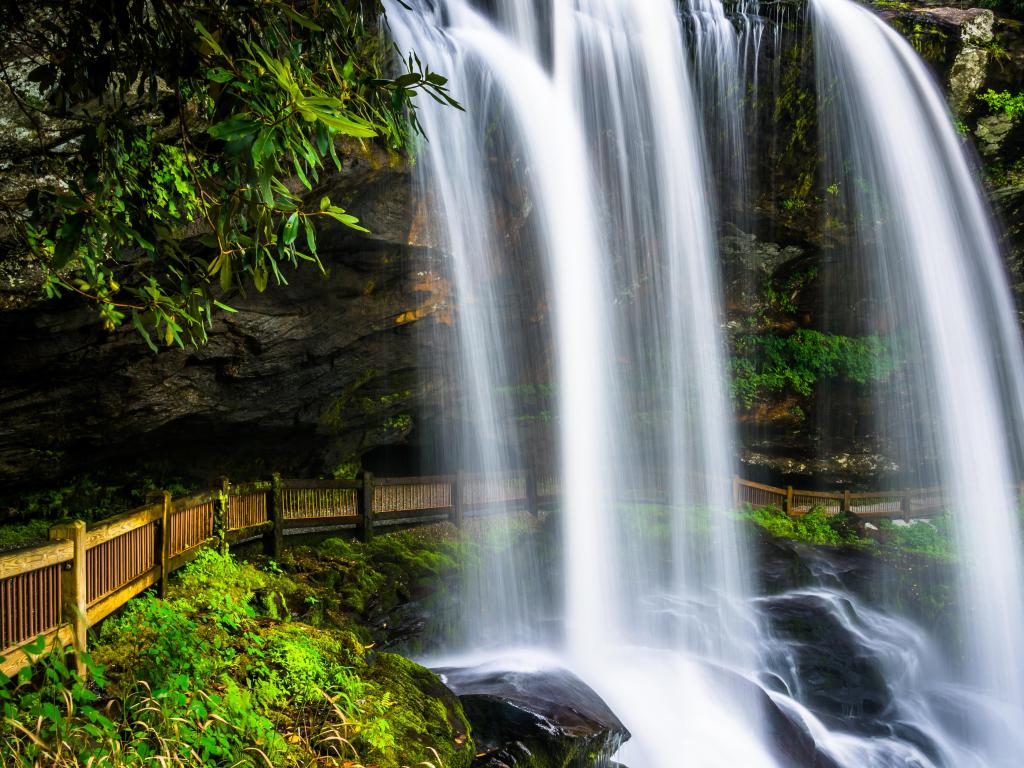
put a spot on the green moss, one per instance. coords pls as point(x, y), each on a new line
point(423, 716)
point(814, 527)
point(796, 155)
point(354, 575)
point(781, 292)
point(305, 690)
point(372, 405)
point(400, 423)
point(930, 40)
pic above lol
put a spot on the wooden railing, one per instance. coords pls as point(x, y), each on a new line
point(906, 505)
point(61, 588)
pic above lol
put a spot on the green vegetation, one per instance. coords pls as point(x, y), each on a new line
point(188, 122)
point(220, 673)
point(813, 527)
point(933, 537)
point(86, 497)
point(16, 534)
point(1010, 104)
point(763, 362)
point(1012, 8)
point(928, 39)
point(781, 293)
point(351, 577)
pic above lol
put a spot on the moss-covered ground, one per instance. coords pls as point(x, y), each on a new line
point(257, 663)
point(932, 538)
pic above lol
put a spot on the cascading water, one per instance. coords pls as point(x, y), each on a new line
point(613, 163)
point(919, 220)
point(499, 595)
point(584, 111)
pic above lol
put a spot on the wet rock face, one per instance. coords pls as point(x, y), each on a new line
point(836, 676)
point(954, 41)
point(548, 719)
point(303, 377)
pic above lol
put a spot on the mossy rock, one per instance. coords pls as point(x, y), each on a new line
point(426, 718)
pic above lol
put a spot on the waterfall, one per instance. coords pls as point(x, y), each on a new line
point(500, 605)
point(577, 205)
point(923, 231)
point(594, 116)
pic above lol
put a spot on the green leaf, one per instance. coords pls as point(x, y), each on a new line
point(141, 328)
point(347, 219)
point(225, 274)
point(410, 78)
point(259, 278)
point(224, 306)
point(301, 20)
point(266, 173)
point(301, 174)
point(291, 228)
point(233, 128)
point(68, 238)
point(219, 75)
point(208, 39)
point(347, 126)
point(310, 235)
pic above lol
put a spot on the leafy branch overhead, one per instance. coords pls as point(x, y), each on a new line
point(198, 131)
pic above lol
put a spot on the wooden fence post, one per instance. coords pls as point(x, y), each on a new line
point(165, 543)
point(736, 491)
point(221, 509)
point(532, 497)
point(273, 539)
point(789, 500)
point(366, 507)
point(74, 589)
point(458, 514)
point(905, 505)
point(846, 503)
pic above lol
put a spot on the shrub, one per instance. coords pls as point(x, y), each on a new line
point(766, 362)
point(1010, 104)
point(814, 527)
point(933, 537)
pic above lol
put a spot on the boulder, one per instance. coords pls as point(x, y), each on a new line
point(544, 719)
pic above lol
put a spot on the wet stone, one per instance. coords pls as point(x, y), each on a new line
point(548, 718)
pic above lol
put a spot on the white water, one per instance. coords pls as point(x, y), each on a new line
point(925, 231)
point(590, 111)
point(607, 143)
